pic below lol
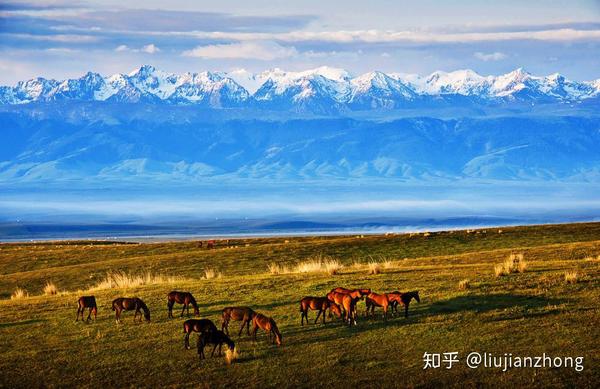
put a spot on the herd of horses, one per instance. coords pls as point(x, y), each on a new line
point(339, 302)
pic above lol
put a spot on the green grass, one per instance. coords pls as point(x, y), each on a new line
point(522, 313)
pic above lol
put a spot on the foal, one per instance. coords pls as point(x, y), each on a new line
point(243, 314)
point(184, 298)
point(86, 302)
point(196, 325)
point(129, 304)
point(216, 338)
point(268, 325)
point(322, 304)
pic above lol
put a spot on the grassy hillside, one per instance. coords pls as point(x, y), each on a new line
point(525, 314)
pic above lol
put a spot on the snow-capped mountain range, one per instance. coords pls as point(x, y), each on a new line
point(310, 89)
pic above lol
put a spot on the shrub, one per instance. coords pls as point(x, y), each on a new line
point(513, 264)
point(19, 293)
point(50, 289)
point(571, 276)
point(464, 284)
point(332, 266)
point(278, 269)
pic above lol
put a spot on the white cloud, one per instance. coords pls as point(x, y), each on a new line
point(379, 36)
point(496, 56)
point(262, 50)
point(150, 49)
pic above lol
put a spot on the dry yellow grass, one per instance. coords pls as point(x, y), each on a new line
point(374, 267)
point(464, 284)
point(515, 263)
point(320, 264)
point(571, 276)
point(276, 269)
point(209, 274)
point(50, 289)
point(499, 270)
point(19, 293)
point(122, 280)
point(231, 356)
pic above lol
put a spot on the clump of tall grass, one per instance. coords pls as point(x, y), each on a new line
point(210, 273)
point(320, 264)
point(50, 289)
point(464, 284)
point(571, 276)
point(19, 293)
point(275, 269)
point(231, 356)
point(515, 263)
point(374, 267)
point(120, 279)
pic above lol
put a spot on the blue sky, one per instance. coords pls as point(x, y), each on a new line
point(65, 39)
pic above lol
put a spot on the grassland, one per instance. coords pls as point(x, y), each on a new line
point(529, 313)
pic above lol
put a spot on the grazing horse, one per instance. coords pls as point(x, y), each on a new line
point(196, 325)
point(87, 302)
point(348, 304)
point(216, 338)
point(210, 244)
point(322, 304)
point(377, 300)
point(129, 304)
point(268, 325)
point(243, 314)
point(184, 298)
point(403, 299)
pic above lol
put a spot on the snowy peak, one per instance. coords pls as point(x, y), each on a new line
point(318, 89)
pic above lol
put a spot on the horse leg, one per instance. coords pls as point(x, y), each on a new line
point(302, 313)
point(89, 315)
point(254, 330)
point(77, 318)
point(385, 309)
point(170, 308)
point(248, 327)
point(318, 314)
point(225, 326)
point(183, 310)
point(213, 352)
point(242, 328)
point(186, 341)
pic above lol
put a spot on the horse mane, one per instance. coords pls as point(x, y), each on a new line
point(143, 306)
point(193, 301)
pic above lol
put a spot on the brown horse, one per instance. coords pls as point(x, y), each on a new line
point(86, 302)
point(184, 298)
point(130, 304)
point(348, 304)
point(243, 314)
point(377, 300)
point(322, 304)
point(196, 325)
point(403, 299)
point(268, 325)
point(210, 244)
point(216, 338)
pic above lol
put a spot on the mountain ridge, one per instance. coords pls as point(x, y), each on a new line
point(310, 90)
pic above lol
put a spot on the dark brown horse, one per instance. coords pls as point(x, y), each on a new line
point(268, 325)
point(321, 304)
point(184, 298)
point(377, 300)
point(347, 301)
point(403, 299)
point(87, 302)
point(196, 325)
point(130, 304)
point(243, 314)
point(216, 338)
